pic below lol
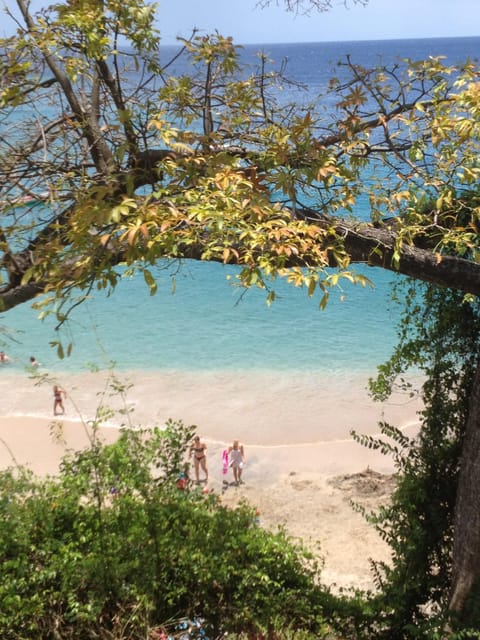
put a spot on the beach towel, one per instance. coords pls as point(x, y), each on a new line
point(225, 461)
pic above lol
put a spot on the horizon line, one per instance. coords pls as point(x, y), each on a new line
point(359, 40)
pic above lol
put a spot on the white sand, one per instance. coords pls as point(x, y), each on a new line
point(302, 466)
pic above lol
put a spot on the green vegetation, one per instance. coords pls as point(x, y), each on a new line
point(113, 549)
point(209, 166)
point(439, 336)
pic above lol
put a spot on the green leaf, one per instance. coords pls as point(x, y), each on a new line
point(150, 281)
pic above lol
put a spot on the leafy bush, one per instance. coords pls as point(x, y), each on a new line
point(439, 336)
point(111, 548)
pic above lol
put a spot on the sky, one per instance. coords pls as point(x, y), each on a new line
point(378, 20)
point(248, 24)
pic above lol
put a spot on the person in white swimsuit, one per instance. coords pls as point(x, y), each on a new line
point(236, 455)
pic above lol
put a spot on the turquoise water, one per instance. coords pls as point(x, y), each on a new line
point(209, 325)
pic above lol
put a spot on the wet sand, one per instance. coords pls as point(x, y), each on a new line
point(302, 466)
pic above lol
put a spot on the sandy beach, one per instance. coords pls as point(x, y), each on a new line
point(302, 467)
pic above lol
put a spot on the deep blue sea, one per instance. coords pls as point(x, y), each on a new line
point(207, 324)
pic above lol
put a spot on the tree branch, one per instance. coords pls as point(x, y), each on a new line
point(363, 242)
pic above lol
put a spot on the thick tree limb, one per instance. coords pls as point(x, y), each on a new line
point(20, 294)
point(363, 242)
point(376, 247)
point(466, 545)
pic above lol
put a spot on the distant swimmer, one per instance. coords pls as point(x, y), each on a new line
point(4, 358)
point(58, 395)
point(34, 363)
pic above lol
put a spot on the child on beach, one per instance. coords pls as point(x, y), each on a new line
point(183, 481)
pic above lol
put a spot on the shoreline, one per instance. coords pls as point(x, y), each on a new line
point(259, 408)
point(302, 468)
point(40, 443)
point(305, 489)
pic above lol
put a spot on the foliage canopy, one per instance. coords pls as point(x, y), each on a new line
point(113, 549)
point(134, 162)
point(108, 158)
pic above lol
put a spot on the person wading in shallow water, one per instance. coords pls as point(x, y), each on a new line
point(197, 450)
point(58, 395)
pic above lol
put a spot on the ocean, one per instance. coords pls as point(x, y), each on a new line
point(203, 324)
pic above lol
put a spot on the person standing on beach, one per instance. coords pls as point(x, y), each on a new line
point(197, 450)
point(58, 395)
point(237, 459)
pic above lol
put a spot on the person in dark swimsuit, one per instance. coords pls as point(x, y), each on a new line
point(198, 451)
point(58, 395)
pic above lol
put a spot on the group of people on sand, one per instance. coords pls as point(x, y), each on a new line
point(235, 454)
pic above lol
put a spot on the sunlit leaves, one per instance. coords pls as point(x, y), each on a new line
point(122, 209)
point(95, 23)
point(212, 165)
point(133, 550)
point(215, 48)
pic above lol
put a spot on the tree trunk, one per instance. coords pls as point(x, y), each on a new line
point(466, 544)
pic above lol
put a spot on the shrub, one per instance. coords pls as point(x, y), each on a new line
point(112, 548)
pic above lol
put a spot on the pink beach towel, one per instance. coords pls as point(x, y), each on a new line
point(225, 461)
